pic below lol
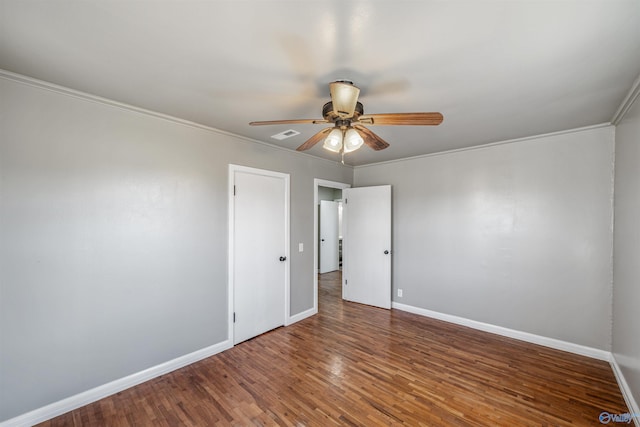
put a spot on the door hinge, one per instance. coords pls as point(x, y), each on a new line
point(346, 282)
point(346, 201)
point(234, 317)
point(234, 190)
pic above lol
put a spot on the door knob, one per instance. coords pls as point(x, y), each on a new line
point(283, 258)
point(386, 252)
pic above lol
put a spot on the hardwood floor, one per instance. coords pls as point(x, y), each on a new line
point(357, 365)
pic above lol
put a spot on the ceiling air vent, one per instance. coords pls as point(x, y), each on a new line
point(286, 134)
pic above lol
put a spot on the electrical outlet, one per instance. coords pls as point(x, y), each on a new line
point(399, 293)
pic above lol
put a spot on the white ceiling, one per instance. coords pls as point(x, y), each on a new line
point(497, 70)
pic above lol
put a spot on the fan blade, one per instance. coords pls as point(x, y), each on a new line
point(314, 139)
point(371, 139)
point(290, 122)
point(402, 119)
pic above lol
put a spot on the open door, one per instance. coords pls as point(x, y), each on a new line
point(366, 222)
point(329, 237)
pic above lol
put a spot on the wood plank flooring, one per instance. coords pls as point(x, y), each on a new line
point(354, 365)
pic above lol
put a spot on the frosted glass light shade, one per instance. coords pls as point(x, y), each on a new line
point(333, 141)
point(344, 97)
point(352, 140)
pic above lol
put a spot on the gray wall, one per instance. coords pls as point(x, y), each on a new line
point(113, 240)
point(626, 253)
point(516, 235)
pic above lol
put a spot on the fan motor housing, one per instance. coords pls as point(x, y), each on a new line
point(329, 115)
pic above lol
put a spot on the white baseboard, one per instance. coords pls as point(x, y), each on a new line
point(594, 353)
point(81, 399)
point(511, 333)
point(65, 405)
point(58, 408)
point(626, 391)
point(300, 316)
point(582, 350)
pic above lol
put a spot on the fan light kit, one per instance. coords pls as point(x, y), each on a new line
point(347, 116)
point(345, 141)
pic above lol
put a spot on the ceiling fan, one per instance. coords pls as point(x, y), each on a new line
point(348, 132)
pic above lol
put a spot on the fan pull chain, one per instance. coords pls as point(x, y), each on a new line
point(343, 156)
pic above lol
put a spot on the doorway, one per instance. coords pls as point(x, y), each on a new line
point(329, 229)
point(258, 251)
point(329, 191)
point(366, 249)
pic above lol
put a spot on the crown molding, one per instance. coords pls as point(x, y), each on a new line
point(628, 102)
point(491, 144)
point(41, 84)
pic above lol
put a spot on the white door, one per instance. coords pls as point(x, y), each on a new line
point(259, 244)
point(329, 244)
point(366, 221)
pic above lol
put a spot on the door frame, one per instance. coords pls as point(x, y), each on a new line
point(231, 244)
point(320, 183)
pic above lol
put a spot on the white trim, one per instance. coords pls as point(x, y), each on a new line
point(632, 95)
point(301, 316)
point(81, 399)
point(632, 405)
point(230, 285)
point(511, 333)
point(489, 145)
point(41, 84)
point(320, 183)
point(230, 251)
point(628, 102)
point(612, 225)
point(594, 353)
point(287, 250)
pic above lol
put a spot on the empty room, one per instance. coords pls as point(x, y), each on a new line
point(306, 213)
